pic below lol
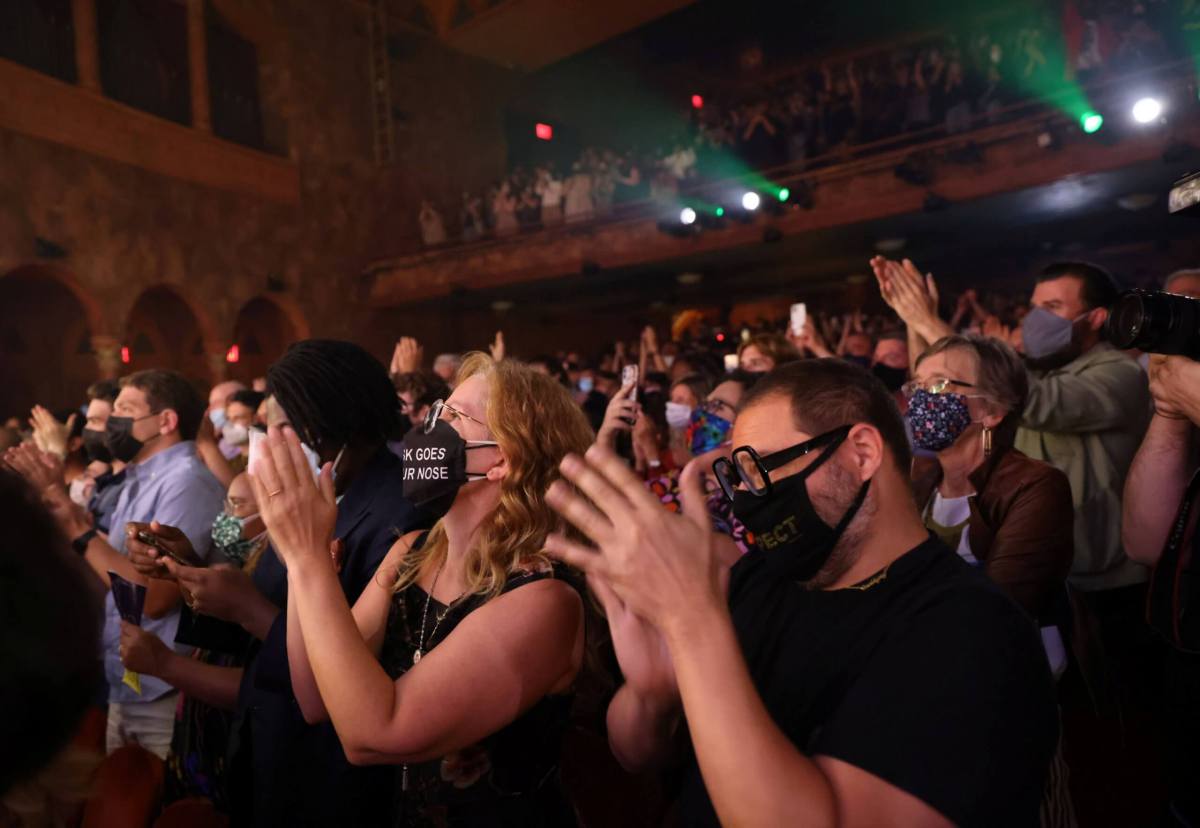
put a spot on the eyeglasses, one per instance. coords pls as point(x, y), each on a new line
point(747, 468)
point(232, 504)
point(715, 406)
point(936, 385)
point(435, 414)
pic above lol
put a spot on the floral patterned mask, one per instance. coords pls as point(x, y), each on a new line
point(937, 420)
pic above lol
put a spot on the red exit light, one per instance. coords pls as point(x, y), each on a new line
point(125, 354)
point(233, 354)
point(697, 102)
point(544, 131)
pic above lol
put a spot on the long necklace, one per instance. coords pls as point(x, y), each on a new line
point(421, 646)
point(425, 616)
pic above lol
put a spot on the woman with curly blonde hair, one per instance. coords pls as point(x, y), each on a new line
point(458, 662)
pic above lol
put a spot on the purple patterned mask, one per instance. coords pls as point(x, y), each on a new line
point(937, 420)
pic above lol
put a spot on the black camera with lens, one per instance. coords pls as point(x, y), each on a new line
point(1155, 322)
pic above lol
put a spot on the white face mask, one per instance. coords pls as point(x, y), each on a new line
point(314, 461)
point(678, 415)
point(81, 490)
point(235, 434)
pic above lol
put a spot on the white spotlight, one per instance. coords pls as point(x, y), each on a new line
point(1147, 110)
point(687, 216)
point(750, 201)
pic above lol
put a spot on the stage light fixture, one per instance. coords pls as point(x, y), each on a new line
point(687, 216)
point(1147, 110)
point(720, 212)
point(784, 194)
point(544, 132)
point(1091, 122)
point(750, 201)
point(697, 102)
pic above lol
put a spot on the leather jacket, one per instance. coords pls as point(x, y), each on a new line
point(1021, 526)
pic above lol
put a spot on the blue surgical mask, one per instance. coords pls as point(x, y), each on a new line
point(586, 384)
point(1044, 334)
point(217, 415)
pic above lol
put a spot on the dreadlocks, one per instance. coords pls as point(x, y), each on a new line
point(334, 393)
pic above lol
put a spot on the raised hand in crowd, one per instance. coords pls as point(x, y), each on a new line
point(44, 472)
point(497, 347)
point(407, 356)
point(645, 445)
point(664, 567)
point(993, 327)
point(914, 298)
point(41, 468)
point(621, 415)
point(649, 358)
point(1175, 387)
point(48, 433)
point(810, 340)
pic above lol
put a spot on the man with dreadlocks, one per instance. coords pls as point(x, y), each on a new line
point(339, 400)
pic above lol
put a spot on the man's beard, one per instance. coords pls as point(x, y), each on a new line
point(836, 497)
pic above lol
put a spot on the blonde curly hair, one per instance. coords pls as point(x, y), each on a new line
point(535, 423)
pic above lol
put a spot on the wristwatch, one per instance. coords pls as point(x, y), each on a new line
point(80, 544)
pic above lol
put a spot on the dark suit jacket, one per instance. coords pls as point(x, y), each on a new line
point(284, 771)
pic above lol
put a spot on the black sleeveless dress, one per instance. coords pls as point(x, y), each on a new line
point(511, 778)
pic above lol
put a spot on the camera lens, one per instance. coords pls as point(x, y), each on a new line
point(1155, 322)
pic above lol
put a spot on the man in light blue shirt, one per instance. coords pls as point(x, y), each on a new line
point(152, 428)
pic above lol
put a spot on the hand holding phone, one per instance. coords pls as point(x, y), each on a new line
point(799, 318)
point(629, 379)
point(148, 544)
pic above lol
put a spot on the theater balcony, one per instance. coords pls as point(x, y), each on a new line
point(1029, 178)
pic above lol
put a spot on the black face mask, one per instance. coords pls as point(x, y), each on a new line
point(797, 542)
point(120, 440)
point(435, 466)
point(95, 445)
point(892, 378)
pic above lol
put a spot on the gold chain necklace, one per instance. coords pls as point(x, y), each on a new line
point(874, 581)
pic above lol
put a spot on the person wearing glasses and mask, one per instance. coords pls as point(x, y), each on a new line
point(707, 435)
point(456, 666)
point(339, 401)
point(998, 509)
point(850, 670)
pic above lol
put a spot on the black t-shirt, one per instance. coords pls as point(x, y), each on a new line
point(931, 679)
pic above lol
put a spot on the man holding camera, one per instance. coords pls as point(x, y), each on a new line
point(1159, 530)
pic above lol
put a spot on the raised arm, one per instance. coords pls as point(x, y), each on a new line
point(1113, 395)
point(1159, 474)
point(667, 568)
point(521, 646)
point(370, 617)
